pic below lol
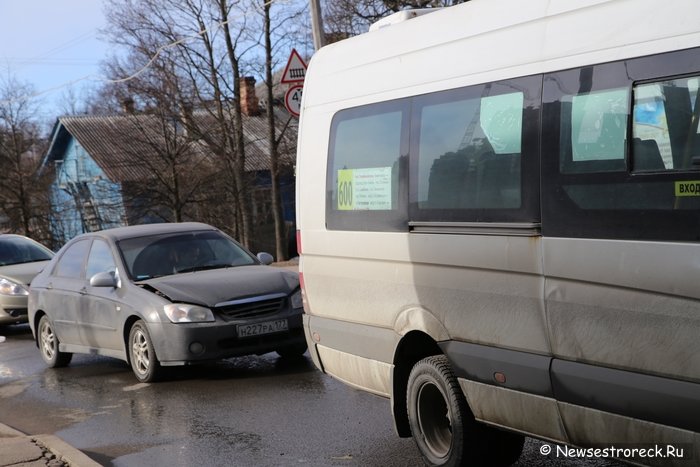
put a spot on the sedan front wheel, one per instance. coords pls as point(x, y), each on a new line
point(142, 356)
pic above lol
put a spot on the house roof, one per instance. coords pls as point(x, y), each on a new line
point(257, 141)
point(120, 144)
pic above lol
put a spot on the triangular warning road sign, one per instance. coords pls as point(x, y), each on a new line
point(295, 71)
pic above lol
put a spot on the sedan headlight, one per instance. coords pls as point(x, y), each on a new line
point(185, 313)
point(296, 299)
point(8, 287)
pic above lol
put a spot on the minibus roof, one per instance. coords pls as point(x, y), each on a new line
point(487, 40)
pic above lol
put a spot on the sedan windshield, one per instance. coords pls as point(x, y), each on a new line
point(164, 255)
point(16, 250)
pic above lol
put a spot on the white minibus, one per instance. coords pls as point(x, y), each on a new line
point(498, 210)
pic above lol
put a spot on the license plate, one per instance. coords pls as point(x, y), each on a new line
point(257, 329)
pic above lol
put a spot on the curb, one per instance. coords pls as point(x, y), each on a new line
point(9, 432)
point(70, 455)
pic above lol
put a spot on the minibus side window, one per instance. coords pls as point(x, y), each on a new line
point(593, 131)
point(665, 126)
point(474, 153)
point(469, 153)
point(621, 150)
point(365, 168)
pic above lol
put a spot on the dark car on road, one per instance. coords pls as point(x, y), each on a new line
point(163, 295)
point(21, 259)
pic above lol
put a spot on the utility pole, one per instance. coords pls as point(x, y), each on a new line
point(317, 24)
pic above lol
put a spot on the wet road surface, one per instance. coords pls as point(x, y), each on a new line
point(251, 411)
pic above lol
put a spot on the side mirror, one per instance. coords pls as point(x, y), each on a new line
point(104, 279)
point(266, 258)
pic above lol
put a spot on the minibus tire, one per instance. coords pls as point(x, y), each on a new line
point(441, 423)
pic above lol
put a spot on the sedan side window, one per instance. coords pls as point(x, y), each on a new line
point(100, 259)
point(72, 260)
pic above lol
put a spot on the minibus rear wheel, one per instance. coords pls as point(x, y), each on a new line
point(444, 428)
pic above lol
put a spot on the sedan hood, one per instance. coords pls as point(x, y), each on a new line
point(23, 272)
point(215, 286)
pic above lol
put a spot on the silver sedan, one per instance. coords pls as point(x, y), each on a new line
point(21, 259)
point(163, 295)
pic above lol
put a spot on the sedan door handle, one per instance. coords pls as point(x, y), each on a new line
point(82, 291)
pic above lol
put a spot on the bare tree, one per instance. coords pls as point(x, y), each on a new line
point(276, 29)
point(280, 244)
point(191, 56)
point(73, 101)
point(22, 202)
point(195, 46)
point(173, 174)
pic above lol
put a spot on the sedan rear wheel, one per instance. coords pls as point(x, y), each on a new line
point(142, 356)
point(48, 345)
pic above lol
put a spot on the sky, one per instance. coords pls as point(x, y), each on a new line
point(50, 44)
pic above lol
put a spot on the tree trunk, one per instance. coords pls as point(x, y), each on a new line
point(239, 161)
point(277, 213)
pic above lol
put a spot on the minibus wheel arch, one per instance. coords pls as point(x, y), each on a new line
point(413, 347)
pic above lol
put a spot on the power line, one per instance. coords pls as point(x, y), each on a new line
point(68, 44)
point(47, 58)
point(50, 61)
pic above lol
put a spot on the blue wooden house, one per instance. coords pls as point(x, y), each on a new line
point(85, 195)
point(99, 160)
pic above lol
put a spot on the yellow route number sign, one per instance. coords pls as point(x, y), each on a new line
point(366, 189)
point(345, 199)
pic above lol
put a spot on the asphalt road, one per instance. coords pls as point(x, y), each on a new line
point(251, 411)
